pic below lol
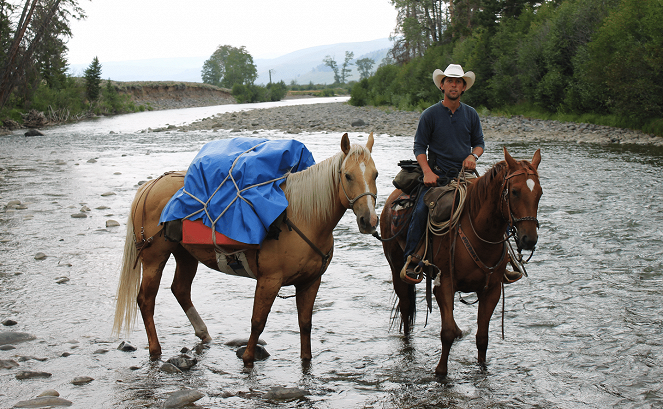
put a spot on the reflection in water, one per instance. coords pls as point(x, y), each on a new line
point(582, 332)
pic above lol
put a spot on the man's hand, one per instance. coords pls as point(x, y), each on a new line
point(470, 163)
point(430, 178)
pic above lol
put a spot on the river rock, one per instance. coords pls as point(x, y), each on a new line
point(7, 347)
point(281, 393)
point(49, 392)
point(82, 380)
point(183, 361)
point(238, 342)
point(126, 347)
point(32, 375)
point(112, 223)
point(170, 368)
point(30, 357)
point(8, 364)
point(15, 337)
point(33, 132)
point(108, 194)
point(9, 323)
point(182, 398)
point(79, 215)
point(40, 256)
point(260, 352)
point(43, 402)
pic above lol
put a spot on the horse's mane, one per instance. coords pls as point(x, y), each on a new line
point(311, 192)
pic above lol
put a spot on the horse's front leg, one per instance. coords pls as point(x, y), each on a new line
point(266, 291)
point(444, 294)
point(305, 299)
point(488, 299)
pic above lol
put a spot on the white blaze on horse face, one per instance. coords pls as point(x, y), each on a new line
point(362, 166)
point(530, 184)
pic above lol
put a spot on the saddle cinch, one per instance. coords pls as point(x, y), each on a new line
point(230, 256)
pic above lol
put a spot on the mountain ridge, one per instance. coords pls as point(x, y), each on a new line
point(302, 66)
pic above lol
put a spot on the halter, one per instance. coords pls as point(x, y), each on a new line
point(352, 201)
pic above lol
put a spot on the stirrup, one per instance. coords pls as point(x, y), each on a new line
point(511, 276)
point(416, 274)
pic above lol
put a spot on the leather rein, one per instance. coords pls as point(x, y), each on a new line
point(510, 219)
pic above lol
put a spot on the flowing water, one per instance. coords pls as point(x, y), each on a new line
point(583, 331)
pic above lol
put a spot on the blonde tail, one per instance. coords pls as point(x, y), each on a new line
point(127, 289)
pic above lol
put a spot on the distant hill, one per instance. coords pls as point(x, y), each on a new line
point(303, 66)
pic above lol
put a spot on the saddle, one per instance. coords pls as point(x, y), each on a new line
point(230, 255)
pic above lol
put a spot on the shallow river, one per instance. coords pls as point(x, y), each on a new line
point(585, 330)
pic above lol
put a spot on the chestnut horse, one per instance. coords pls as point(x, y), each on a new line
point(317, 199)
point(507, 195)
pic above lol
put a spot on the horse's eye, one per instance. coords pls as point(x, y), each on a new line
point(348, 177)
point(376, 175)
point(515, 192)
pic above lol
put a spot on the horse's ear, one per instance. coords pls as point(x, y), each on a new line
point(536, 159)
point(509, 160)
point(345, 143)
point(369, 143)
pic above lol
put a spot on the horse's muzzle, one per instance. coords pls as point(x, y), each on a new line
point(527, 241)
point(367, 222)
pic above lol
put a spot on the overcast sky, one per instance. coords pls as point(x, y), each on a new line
point(120, 30)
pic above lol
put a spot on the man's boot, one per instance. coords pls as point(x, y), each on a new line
point(413, 270)
point(512, 276)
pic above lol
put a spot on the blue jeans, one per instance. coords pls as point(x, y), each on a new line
point(418, 223)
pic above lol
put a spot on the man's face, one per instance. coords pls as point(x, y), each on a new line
point(452, 87)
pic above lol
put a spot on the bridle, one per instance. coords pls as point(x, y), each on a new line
point(352, 201)
point(510, 219)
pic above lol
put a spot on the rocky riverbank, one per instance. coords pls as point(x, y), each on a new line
point(343, 117)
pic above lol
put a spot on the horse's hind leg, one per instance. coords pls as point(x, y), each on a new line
point(487, 302)
point(305, 300)
point(185, 272)
point(154, 259)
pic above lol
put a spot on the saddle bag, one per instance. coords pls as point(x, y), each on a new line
point(409, 177)
point(440, 202)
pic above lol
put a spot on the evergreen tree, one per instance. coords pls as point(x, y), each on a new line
point(93, 80)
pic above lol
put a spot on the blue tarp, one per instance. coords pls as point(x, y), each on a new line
point(268, 160)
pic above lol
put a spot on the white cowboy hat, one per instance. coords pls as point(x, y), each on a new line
point(455, 71)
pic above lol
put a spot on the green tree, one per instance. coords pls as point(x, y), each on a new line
point(93, 80)
point(364, 66)
point(624, 60)
point(33, 45)
point(345, 69)
point(228, 66)
point(329, 62)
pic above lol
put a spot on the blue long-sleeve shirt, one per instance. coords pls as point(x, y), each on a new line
point(449, 137)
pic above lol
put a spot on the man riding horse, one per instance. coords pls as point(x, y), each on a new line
point(450, 133)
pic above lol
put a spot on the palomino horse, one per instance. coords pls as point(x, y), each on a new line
point(317, 199)
point(471, 257)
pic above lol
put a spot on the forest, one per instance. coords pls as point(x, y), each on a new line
point(595, 61)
